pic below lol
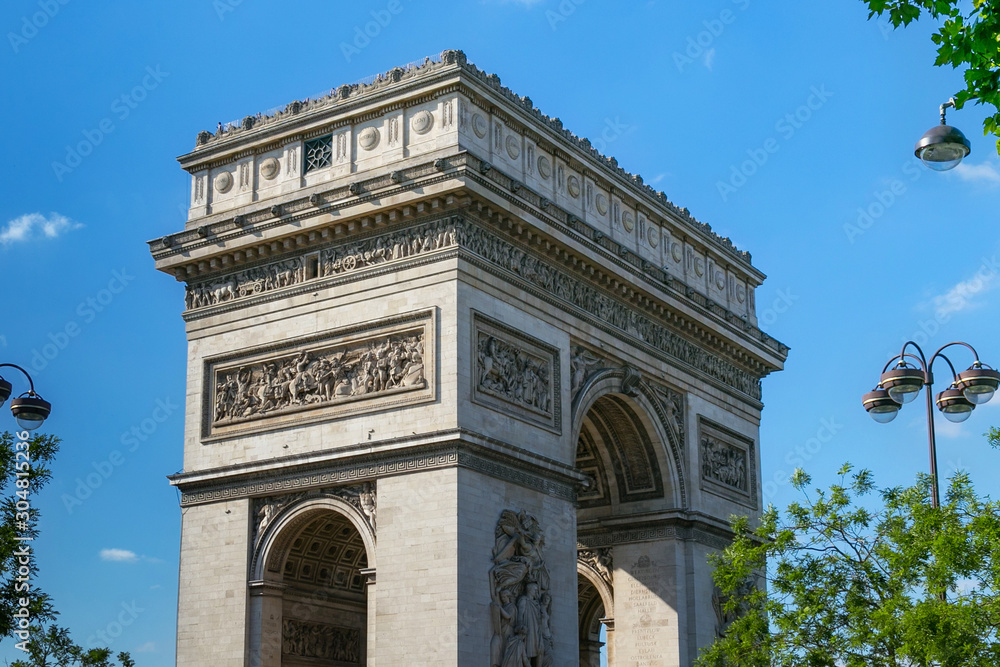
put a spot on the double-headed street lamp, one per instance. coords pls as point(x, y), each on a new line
point(912, 372)
point(29, 409)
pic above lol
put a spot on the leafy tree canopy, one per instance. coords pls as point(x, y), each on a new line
point(855, 576)
point(968, 35)
point(52, 647)
point(45, 646)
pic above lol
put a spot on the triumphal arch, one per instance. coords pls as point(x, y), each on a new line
point(461, 390)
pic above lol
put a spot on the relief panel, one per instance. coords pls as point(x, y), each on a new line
point(727, 463)
point(515, 374)
point(372, 366)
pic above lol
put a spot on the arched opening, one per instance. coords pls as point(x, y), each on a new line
point(325, 607)
point(593, 645)
point(313, 592)
point(629, 436)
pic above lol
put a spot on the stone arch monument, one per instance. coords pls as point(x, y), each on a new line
point(461, 390)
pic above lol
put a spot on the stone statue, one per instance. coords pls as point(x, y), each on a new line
point(519, 588)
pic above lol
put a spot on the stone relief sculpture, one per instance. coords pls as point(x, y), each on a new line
point(387, 248)
point(512, 373)
point(725, 618)
point(600, 560)
point(318, 640)
point(318, 376)
point(724, 463)
point(251, 281)
point(582, 363)
point(519, 589)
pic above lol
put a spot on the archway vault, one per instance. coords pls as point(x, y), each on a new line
point(630, 435)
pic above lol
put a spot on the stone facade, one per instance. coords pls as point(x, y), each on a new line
point(460, 389)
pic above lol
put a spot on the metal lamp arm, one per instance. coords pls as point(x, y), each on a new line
point(31, 383)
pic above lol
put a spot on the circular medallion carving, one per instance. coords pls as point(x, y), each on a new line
point(422, 122)
point(224, 181)
point(602, 204)
point(741, 293)
point(676, 252)
point(479, 125)
point(720, 279)
point(699, 266)
point(513, 146)
point(628, 221)
point(573, 186)
point(368, 139)
point(269, 168)
point(544, 166)
point(653, 235)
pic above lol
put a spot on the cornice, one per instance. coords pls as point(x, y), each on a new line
point(458, 447)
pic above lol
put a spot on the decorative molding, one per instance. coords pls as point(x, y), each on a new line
point(728, 463)
point(555, 283)
point(321, 641)
point(371, 467)
point(516, 374)
point(355, 369)
point(519, 589)
point(675, 529)
point(550, 282)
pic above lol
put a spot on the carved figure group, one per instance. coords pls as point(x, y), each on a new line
point(519, 587)
point(724, 463)
point(251, 281)
point(313, 377)
point(511, 373)
point(316, 640)
point(387, 248)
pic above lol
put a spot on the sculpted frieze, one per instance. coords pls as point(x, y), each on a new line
point(727, 463)
point(319, 640)
point(256, 280)
point(516, 374)
point(332, 373)
point(451, 232)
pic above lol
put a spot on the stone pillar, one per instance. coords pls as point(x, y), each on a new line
point(369, 575)
point(265, 623)
point(609, 632)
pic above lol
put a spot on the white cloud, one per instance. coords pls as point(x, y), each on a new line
point(709, 59)
point(659, 177)
point(984, 172)
point(119, 555)
point(148, 647)
point(963, 295)
point(31, 226)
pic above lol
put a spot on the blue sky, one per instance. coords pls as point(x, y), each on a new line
point(788, 128)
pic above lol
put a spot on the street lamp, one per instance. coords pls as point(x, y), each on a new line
point(912, 372)
point(29, 409)
point(942, 147)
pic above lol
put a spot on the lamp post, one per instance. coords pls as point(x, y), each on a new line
point(912, 372)
point(29, 409)
point(942, 147)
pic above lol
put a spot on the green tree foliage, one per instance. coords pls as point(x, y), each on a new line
point(968, 36)
point(46, 646)
point(860, 576)
point(52, 647)
point(40, 453)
